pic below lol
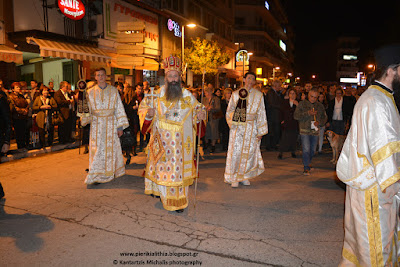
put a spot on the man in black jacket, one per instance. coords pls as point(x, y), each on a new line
point(64, 103)
point(5, 129)
point(274, 100)
point(340, 111)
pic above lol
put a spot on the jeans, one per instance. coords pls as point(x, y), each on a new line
point(308, 144)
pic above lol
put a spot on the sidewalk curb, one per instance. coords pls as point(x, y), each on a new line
point(35, 152)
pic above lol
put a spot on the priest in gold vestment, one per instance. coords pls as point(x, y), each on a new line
point(171, 115)
point(107, 120)
point(369, 166)
point(247, 120)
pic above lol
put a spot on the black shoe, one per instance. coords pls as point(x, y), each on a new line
point(294, 155)
point(128, 161)
point(179, 211)
point(134, 151)
point(280, 156)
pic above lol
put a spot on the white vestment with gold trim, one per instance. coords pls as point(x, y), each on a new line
point(244, 160)
point(106, 115)
point(369, 165)
point(170, 167)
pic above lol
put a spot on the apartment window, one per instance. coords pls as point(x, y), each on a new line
point(181, 6)
point(266, 5)
point(240, 21)
point(175, 5)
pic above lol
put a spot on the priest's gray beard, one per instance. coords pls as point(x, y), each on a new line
point(396, 83)
point(173, 91)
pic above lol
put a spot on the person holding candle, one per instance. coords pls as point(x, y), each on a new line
point(311, 114)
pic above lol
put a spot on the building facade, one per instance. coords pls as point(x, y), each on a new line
point(215, 22)
point(347, 59)
point(58, 44)
point(262, 29)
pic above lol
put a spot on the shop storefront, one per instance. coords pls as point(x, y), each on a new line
point(138, 67)
point(58, 49)
point(8, 58)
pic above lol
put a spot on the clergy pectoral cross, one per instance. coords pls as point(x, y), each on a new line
point(152, 95)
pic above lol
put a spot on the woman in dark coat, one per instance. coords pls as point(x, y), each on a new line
point(223, 125)
point(131, 106)
point(290, 126)
point(213, 106)
point(43, 107)
point(19, 108)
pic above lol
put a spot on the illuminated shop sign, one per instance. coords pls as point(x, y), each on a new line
point(73, 9)
point(174, 26)
point(349, 57)
point(242, 54)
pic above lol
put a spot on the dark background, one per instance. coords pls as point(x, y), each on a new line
point(318, 24)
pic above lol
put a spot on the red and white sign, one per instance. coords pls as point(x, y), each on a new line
point(73, 9)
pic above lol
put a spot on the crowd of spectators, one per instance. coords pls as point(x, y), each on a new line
point(39, 113)
point(281, 101)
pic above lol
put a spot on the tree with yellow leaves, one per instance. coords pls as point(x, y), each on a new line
point(205, 56)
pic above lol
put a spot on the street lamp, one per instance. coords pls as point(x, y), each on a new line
point(276, 69)
point(371, 67)
point(313, 76)
point(248, 54)
point(190, 25)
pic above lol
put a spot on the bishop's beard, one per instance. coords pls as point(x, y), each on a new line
point(173, 91)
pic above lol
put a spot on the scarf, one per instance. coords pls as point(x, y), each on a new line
point(337, 112)
point(241, 106)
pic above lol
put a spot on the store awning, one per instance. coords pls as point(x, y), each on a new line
point(8, 54)
point(66, 50)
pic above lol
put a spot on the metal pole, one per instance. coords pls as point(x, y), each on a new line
point(243, 60)
point(198, 143)
point(183, 54)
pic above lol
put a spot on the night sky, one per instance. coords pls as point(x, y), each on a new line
point(317, 24)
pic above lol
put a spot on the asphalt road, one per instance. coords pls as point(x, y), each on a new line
point(51, 218)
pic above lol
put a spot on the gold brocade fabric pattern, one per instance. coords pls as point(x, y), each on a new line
point(244, 160)
point(170, 175)
point(107, 114)
point(369, 166)
point(371, 228)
